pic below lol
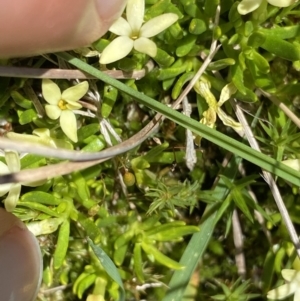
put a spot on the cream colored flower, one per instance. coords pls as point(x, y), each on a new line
point(61, 105)
point(40, 136)
point(214, 108)
point(132, 34)
point(248, 6)
point(13, 189)
point(13, 165)
point(292, 286)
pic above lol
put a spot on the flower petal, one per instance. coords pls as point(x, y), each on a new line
point(297, 295)
point(157, 25)
point(226, 93)
point(3, 169)
point(202, 87)
point(145, 45)
point(290, 275)
point(52, 111)
point(13, 161)
point(282, 3)
point(51, 91)
point(282, 291)
point(68, 124)
point(209, 117)
point(23, 137)
point(73, 105)
point(13, 196)
point(227, 120)
point(121, 28)
point(135, 11)
point(4, 188)
point(116, 50)
point(248, 6)
point(76, 92)
point(44, 136)
point(293, 163)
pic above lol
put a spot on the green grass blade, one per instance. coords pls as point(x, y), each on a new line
point(238, 148)
point(190, 258)
point(199, 241)
point(109, 267)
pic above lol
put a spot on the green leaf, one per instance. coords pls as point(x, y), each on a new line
point(160, 257)
point(21, 100)
point(82, 188)
point(62, 244)
point(27, 116)
point(226, 142)
point(110, 95)
point(40, 197)
point(109, 267)
point(197, 26)
point(185, 45)
point(268, 271)
point(221, 64)
point(164, 227)
point(241, 203)
point(39, 207)
point(119, 254)
point(85, 284)
point(199, 241)
point(32, 161)
point(281, 48)
point(90, 227)
point(137, 262)
point(123, 239)
point(163, 58)
point(173, 233)
point(87, 131)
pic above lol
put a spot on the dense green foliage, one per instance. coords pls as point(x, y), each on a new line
point(142, 225)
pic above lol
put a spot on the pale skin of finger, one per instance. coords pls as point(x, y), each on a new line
point(35, 27)
point(20, 260)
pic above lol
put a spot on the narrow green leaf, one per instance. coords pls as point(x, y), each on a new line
point(265, 162)
point(109, 267)
point(160, 257)
point(62, 244)
point(199, 241)
point(40, 197)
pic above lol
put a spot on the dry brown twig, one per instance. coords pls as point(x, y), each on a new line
point(24, 72)
point(269, 179)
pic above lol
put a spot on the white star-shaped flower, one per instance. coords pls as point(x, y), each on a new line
point(133, 35)
point(248, 6)
point(292, 277)
point(61, 105)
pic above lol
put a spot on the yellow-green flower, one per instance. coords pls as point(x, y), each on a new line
point(61, 105)
point(133, 34)
point(248, 6)
point(292, 286)
point(202, 87)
